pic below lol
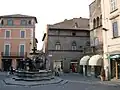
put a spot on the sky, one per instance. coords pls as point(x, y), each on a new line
point(46, 11)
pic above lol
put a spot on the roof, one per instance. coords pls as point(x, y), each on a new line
point(75, 23)
point(92, 2)
point(18, 16)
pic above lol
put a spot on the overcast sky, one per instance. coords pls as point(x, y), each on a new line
point(46, 11)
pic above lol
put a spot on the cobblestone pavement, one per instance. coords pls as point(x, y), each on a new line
point(3, 75)
point(76, 77)
point(74, 83)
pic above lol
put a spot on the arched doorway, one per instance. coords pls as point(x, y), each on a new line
point(6, 63)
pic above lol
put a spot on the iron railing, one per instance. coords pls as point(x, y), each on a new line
point(13, 54)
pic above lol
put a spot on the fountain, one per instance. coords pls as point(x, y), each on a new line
point(32, 72)
point(34, 69)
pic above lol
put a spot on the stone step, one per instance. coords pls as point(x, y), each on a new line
point(33, 79)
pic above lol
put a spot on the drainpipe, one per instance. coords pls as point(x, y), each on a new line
point(107, 68)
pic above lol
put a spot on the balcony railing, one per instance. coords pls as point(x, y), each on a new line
point(14, 54)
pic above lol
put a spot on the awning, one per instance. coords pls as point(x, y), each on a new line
point(84, 60)
point(95, 60)
point(116, 56)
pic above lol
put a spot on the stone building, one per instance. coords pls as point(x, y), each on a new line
point(90, 60)
point(17, 39)
point(64, 43)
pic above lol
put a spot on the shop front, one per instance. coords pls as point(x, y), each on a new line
point(96, 63)
point(6, 64)
point(115, 66)
point(84, 65)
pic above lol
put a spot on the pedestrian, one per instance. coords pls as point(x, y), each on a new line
point(102, 75)
point(56, 71)
point(11, 70)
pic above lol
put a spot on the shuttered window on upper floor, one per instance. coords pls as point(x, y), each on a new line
point(115, 29)
point(9, 22)
point(113, 4)
point(23, 22)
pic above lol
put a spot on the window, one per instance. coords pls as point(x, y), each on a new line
point(76, 25)
point(7, 34)
point(58, 46)
point(22, 49)
point(95, 33)
point(98, 21)
point(29, 22)
point(7, 49)
point(10, 22)
point(73, 33)
point(57, 32)
point(113, 5)
point(23, 22)
point(22, 34)
point(74, 46)
point(88, 43)
point(115, 29)
point(96, 41)
point(2, 22)
point(94, 23)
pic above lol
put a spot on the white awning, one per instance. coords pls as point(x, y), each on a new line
point(84, 60)
point(95, 60)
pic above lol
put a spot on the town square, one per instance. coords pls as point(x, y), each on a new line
point(64, 44)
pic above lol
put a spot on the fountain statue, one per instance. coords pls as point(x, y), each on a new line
point(33, 68)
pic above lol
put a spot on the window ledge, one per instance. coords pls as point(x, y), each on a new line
point(116, 37)
point(113, 11)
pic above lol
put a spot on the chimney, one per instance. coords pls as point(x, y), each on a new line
point(65, 20)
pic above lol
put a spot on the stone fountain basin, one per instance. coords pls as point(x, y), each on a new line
point(33, 74)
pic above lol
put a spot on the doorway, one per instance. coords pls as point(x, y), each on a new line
point(115, 69)
point(74, 67)
point(20, 64)
point(6, 63)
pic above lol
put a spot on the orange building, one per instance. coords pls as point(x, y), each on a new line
point(17, 37)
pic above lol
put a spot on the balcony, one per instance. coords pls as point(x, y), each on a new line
point(98, 48)
point(13, 55)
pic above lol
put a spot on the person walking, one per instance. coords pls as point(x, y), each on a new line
point(56, 71)
point(102, 75)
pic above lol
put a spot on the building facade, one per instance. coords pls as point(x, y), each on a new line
point(17, 37)
point(65, 43)
point(96, 37)
point(92, 62)
point(111, 25)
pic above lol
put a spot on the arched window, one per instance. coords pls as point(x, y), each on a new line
point(29, 22)
point(2, 22)
point(58, 46)
point(74, 45)
point(94, 23)
point(98, 21)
